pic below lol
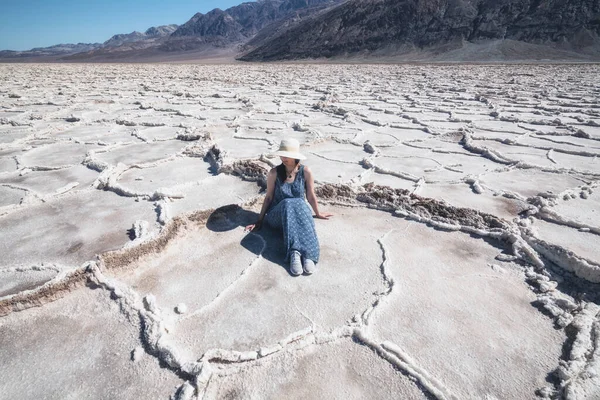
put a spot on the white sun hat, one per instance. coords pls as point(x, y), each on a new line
point(289, 148)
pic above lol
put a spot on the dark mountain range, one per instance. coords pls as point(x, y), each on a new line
point(395, 30)
point(392, 27)
point(276, 28)
point(238, 24)
point(245, 20)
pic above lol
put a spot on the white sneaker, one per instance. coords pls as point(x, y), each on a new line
point(309, 266)
point(295, 264)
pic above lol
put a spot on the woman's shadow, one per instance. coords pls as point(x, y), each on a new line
point(232, 216)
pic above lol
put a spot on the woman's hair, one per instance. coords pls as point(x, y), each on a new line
point(281, 174)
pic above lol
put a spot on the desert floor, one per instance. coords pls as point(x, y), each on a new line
point(462, 262)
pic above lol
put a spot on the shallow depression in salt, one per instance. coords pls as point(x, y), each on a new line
point(461, 261)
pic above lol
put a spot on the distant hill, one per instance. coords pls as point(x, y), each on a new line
point(62, 50)
point(532, 29)
point(52, 51)
point(151, 33)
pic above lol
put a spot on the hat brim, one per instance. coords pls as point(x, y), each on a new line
point(290, 154)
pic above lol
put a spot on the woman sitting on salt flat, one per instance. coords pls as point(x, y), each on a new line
point(285, 208)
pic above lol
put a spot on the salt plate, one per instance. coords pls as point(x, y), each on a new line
point(474, 275)
point(84, 335)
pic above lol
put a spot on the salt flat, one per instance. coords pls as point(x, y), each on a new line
point(462, 261)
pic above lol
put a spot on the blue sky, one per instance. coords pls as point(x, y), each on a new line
point(25, 24)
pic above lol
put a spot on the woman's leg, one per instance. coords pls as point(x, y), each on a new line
point(294, 217)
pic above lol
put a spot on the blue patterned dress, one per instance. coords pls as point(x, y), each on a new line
point(290, 212)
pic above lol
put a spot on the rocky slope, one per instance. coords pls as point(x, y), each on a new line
point(238, 24)
point(388, 27)
point(282, 25)
point(135, 36)
point(208, 34)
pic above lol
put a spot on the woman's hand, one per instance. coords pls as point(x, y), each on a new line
point(310, 195)
point(254, 227)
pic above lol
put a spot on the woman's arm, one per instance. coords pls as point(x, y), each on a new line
point(271, 176)
point(310, 194)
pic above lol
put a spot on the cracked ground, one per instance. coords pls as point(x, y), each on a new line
point(462, 261)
